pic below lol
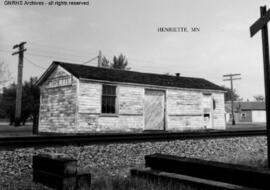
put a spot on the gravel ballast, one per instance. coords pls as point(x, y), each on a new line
point(117, 159)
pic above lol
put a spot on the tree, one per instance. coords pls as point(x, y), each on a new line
point(228, 94)
point(30, 101)
point(259, 98)
point(8, 100)
point(120, 62)
point(4, 74)
point(2, 113)
point(105, 62)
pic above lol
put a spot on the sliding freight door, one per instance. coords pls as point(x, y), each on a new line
point(154, 114)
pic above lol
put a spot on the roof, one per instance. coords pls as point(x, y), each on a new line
point(114, 75)
point(246, 106)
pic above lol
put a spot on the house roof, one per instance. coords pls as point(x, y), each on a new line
point(246, 106)
point(104, 74)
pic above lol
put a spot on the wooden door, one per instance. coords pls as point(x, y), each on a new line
point(154, 114)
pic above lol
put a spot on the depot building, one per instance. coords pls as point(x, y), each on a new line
point(84, 99)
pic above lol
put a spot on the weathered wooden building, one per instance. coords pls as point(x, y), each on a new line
point(246, 112)
point(78, 98)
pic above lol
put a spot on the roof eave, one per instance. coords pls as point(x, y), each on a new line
point(149, 85)
point(49, 71)
point(46, 74)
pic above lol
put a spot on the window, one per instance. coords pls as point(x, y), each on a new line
point(243, 115)
point(108, 99)
point(214, 104)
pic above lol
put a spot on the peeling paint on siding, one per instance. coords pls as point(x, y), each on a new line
point(77, 108)
point(58, 105)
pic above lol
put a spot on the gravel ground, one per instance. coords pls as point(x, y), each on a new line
point(118, 159)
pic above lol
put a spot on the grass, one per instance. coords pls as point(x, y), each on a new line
point(246, 126)
point(127, 183)
point(108, 182)
point(250, 155)
point(121, 183)
point(10, 131)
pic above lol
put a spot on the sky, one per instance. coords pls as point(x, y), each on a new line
point(76, 33)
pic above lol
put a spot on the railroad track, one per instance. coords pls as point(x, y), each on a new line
point(60, 140)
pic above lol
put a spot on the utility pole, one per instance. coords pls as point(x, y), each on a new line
point(261, 25)
point(99, 58)
point(19, 82)
point(230, 78)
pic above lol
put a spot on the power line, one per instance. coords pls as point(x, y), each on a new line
point(53, 57)
point(31, 62)
point(58, 50)
point(52, 51)
point(89, 60)
point(153, 64)
point(58, 47)
point(133, 61)
point(5, 51)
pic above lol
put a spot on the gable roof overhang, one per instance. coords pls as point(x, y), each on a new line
point(47, 73)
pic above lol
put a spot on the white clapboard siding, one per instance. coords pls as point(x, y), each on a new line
point(219, 111)
point(207, 110)
point(58, 103)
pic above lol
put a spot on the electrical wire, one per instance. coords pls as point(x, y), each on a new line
point(56, 50)
point(52, 52)
point(150, 64)
point(89, 60)
point(49, 56)
point(31, 62)
point(64, 49)
point(133, 61)
point(53, 57)
point(6, 51)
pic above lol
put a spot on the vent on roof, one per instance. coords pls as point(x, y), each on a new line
point(177, 74)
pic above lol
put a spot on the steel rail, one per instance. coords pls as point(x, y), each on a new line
point(84, 139)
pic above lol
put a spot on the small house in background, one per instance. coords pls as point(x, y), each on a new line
point(250, 112)
point(85, 99)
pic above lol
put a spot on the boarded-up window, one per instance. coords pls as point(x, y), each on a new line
point(108, 99)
